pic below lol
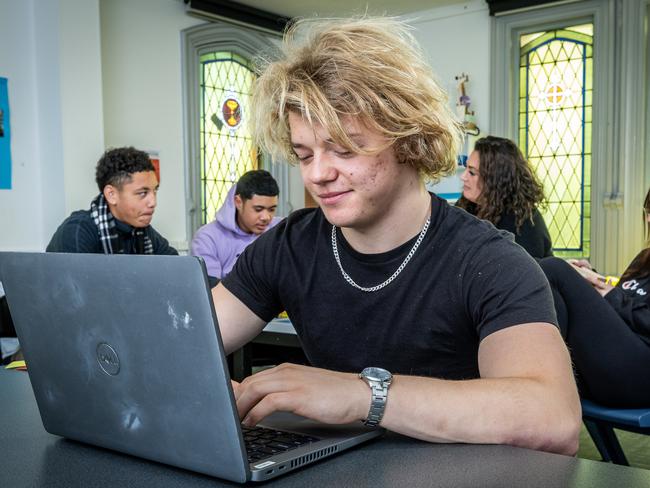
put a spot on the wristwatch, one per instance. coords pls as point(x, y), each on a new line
point(378, 380)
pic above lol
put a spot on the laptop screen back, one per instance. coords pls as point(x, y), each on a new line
point(122, 352)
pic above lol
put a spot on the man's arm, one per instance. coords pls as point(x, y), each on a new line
point(526, 396)
point(237, 323)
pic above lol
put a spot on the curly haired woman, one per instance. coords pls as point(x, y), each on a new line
point(500, 186)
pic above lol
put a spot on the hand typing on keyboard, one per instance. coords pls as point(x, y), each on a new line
point(327, 396)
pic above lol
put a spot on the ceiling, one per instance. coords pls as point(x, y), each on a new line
point(309, 8)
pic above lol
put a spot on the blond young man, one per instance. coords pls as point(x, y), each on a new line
point(384, 274)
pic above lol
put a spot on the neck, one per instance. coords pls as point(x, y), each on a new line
point(401, 223)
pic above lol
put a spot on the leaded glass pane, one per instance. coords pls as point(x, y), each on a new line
point(555, 114)
point(226, 147)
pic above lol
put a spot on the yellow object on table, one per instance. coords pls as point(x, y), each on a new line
point(20, 365)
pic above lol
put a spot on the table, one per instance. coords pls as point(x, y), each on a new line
point(30, 457)
point(279, 333)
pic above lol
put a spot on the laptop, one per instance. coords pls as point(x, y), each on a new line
point(124, 352)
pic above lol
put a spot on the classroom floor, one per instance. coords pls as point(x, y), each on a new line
point(635, 446)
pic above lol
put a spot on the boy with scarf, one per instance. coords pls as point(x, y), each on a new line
point(119, 218)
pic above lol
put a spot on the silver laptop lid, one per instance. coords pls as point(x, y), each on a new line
point(105, 336)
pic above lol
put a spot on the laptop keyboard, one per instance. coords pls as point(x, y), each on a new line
point(262, 443)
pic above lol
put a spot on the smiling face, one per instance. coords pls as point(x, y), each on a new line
point(353, 190)
point(472, 183)
point(135, 202)
point(256, 213)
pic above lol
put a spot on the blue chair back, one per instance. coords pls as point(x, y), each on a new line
point(601, 422)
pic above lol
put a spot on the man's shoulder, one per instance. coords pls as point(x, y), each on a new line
point(300, 220)
point(476, 242)
point(77, 233)
point(218, 242)
point(297, 231)
point(78, 220)
point(275, 221)
point(214, 231)
point(79, 217)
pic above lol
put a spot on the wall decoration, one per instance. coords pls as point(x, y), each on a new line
point(5, 138)
point(467, 118)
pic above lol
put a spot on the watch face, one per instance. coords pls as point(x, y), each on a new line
point(377, 374)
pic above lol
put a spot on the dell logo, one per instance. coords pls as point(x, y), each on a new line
point(107, 359)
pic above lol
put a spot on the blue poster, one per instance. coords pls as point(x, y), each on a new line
point(5, 138)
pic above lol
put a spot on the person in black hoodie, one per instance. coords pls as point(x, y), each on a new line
point(119, 218)
point(607, 328)
point(500, 186)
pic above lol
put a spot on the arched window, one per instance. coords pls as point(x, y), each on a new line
point(555, 128)
point(226, 150)
point(594, 162)
point(218, 78)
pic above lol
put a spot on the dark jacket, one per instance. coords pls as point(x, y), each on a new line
point(78, 233)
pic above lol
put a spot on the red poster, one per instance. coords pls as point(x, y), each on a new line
point(155, 159)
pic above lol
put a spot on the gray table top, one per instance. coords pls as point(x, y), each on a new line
point(280, 326)
point(30, 457)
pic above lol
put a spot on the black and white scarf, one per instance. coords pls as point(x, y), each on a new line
point(106, 226)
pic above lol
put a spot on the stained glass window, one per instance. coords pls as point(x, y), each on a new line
point(555, 127)
point(227, 150)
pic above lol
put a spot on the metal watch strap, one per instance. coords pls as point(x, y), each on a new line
point(377, 403)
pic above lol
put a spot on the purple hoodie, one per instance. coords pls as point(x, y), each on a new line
point(221, 241)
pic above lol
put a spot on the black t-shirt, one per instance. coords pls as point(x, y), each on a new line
point(464, 282)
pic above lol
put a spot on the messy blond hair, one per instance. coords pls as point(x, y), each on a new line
point(370, 69)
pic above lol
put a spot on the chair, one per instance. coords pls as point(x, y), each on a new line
point(601, 421)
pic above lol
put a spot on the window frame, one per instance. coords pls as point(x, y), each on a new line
point(195, 42)
point(548, 37)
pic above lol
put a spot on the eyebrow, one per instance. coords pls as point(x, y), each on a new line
point(356, 137)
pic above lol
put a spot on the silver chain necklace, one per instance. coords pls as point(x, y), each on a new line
point(393, 276)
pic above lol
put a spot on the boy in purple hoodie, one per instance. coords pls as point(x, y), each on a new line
point(247, 212)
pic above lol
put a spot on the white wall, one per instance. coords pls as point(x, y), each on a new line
point(456, 39)
point(20, 207)
point(82, 123)
point(141, 54)
point(50, 56)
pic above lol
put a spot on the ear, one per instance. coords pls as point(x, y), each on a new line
point(239, 202)
point(110, 194)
